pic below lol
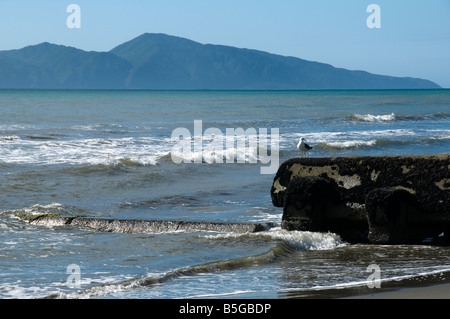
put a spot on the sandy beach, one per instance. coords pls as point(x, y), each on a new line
point(430, 292)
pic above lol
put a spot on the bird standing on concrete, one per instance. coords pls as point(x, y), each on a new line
point(303, 147)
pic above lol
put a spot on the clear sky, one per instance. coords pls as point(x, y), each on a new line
point(414, 38)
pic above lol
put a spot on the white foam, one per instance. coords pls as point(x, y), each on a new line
point(266, 217)
point(351, 144)
point(9, 138)
point(14, 291)
point(37, 209)
point(144, 151)
point(84, 151)
point(308, 240)
point(382, 280)
point(302, 240)
point(230, 155)
point(322, 137)
point(223, 149)
point(374, 118)
point(351, 139)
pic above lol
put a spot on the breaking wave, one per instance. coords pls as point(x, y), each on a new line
point(85, 151)
point(126, 151)
point(348, 140)
point(229, 155)
point(9, 138)
point(372, 118)
point(394, 117)
point(56, 209)
point(360, 144)
point(297, 240)
point(287, 243)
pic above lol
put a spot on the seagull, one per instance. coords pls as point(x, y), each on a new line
point(303, 147)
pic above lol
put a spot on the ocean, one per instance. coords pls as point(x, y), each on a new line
point(166, 156)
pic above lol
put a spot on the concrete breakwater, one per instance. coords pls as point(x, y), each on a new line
point(380, 200)
point(143, 226)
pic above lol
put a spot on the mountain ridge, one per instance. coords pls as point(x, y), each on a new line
point(160, 61)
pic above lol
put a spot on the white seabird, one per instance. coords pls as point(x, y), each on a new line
point(303, 147)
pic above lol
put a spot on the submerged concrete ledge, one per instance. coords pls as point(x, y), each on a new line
point(380, 199)
point(144, 226)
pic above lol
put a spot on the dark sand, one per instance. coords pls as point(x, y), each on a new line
point(441, 291)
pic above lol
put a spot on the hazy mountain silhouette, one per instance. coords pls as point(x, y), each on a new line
point(55, 66)
point(159, 61)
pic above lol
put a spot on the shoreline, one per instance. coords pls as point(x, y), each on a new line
point(437, 291)
point(426, 287)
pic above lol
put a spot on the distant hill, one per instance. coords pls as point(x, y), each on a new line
point(159, 61)
point(55, 66)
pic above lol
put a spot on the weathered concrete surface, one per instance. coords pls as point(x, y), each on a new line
point(394, 216)
point(313, 204)
point(332, 194)
point(143, 226)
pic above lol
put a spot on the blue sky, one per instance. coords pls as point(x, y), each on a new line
point(414, 39)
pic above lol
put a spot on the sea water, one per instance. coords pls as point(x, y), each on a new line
point(109, 154)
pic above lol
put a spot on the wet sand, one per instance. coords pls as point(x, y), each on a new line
point(430, 292)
